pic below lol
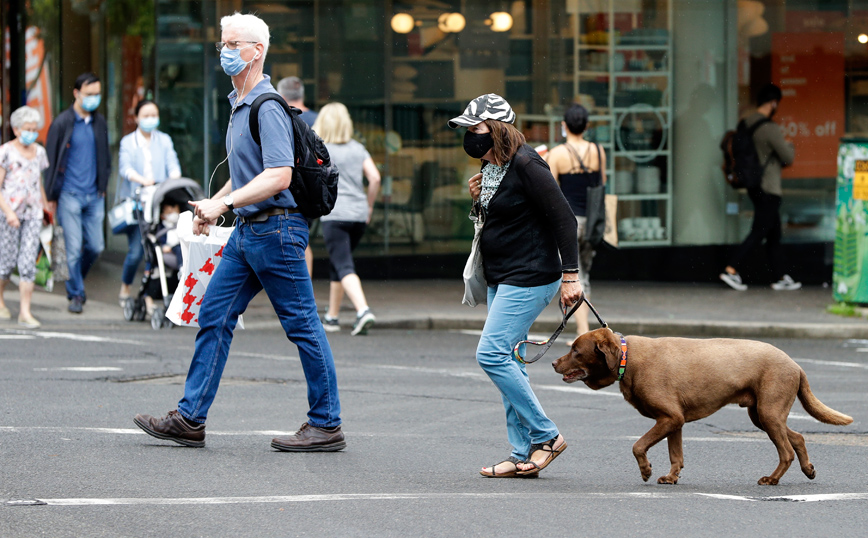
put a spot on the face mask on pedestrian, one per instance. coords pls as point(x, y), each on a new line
point(231, 62)
point(149, 124)
point(477, 144)
point(90, 102)
point(563, 131)
point(28, 137)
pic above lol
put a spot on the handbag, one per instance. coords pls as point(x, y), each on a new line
point(122, 217)
point(475, 285)
point(595, 229)
point(58, 255)
point(200, 257)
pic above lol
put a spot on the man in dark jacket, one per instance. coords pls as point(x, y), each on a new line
point(76, 180)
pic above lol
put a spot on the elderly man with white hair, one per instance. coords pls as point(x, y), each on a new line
point(266, 251)
point(22, 201)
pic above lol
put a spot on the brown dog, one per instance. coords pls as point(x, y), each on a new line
point(678, 380)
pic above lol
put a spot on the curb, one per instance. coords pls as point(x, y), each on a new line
point(683, 328)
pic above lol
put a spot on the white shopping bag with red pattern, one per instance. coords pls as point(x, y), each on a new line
point(201, 254)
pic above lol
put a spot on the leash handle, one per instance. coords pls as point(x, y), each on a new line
point(547, 343)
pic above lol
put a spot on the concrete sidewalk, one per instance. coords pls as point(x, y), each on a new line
point(649, 308)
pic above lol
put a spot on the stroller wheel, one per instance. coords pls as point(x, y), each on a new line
point(139, 310)
point(129, 308)
point(158, 316)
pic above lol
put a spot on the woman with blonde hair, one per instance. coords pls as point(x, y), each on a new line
point(22, 202)
point(344, 227)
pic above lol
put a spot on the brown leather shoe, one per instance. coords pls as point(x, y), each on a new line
point(311, 439)
point(172, 427)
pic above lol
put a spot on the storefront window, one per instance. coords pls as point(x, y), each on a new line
point(812, 50)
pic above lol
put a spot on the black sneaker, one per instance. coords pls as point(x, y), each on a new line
point(75, 305)
point(363, 322)
point(330, 325)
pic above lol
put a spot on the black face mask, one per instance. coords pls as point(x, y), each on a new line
point(476, 145)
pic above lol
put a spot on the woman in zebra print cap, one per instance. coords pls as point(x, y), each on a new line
point(530, 256)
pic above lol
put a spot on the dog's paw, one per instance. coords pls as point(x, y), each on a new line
point(668, 480)
point(646, 473)
point(768, 481)
point(809, 471)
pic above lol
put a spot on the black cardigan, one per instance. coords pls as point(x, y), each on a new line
point(527, 224)
point(59, 135)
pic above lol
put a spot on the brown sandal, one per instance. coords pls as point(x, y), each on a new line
point(549, 447)
point(509, 474)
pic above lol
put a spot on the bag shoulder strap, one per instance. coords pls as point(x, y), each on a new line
point(575, 155)
point(752, 130)
point(253, 121)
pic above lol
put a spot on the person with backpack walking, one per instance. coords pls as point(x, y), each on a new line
point(265, 251)
point(760, 172)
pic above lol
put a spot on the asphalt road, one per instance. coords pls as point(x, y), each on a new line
point(420, 418)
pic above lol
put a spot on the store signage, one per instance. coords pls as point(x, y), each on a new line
point(860, 180)
point(37, 80)
point(809, 68)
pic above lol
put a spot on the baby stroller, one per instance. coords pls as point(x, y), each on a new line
point(161, 268)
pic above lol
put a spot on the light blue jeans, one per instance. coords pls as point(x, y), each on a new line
point(511, 312)
point(81, 216)
point(263, 255)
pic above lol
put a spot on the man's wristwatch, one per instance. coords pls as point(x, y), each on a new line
point(228, 201)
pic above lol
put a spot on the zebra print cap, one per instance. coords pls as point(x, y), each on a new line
point(485, 107)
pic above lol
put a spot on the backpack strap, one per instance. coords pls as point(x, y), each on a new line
point(253, 121)
point(753, 128)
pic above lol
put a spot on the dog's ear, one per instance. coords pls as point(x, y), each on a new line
point(607, 348)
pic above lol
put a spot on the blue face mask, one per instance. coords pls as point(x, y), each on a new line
point(90, 102)
point(231, 62)
point(149, 124)
point(28, 137)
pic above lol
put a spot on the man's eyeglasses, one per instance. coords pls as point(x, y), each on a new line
point(231, 44)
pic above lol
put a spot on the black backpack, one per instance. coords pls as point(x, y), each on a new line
point(314, 184)
point(741, 164)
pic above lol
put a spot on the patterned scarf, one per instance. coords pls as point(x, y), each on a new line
point(492, 175)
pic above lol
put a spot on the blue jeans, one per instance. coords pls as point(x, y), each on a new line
point(134, 255)
point(81, 216)
point(263, 255)
point(511, 312)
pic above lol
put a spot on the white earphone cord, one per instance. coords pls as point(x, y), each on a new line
point(222, 219)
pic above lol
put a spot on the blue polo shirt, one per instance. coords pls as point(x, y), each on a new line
point(80, 174)
point(246, 159)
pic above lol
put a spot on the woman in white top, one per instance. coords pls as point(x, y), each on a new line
point(22, 203)
point(147, 157)
point(343, 228)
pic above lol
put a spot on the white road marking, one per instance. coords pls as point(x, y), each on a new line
point(579, 390)
point(17, 337)
point(265, 356)
point(720, 439)
point(81, 369)
point(76, 337)
point(818, 497)
point(163, 501)
point(834, 363)
point(128, 431)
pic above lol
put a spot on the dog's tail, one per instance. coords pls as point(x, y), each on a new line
point(818, 409)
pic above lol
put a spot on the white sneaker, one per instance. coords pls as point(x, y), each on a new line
point(733, 281)
point(786, 283)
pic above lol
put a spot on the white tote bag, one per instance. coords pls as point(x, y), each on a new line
point(475, 285)
point(201, 255)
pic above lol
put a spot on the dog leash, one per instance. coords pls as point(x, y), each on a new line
point(547, 343)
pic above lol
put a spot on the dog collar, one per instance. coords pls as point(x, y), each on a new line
point(622, 367)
